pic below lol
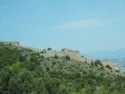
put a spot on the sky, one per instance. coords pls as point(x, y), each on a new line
point(84, 25)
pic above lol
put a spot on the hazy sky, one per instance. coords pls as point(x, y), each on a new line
point(85, 25)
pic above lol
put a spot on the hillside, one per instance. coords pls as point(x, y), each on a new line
point(31, 71)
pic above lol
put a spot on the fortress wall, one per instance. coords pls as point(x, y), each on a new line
point(10, 43)
point(64, 52)
point(110, 64)
point(49, 53)
point(106, 63)
point(71, 53)
point(115, 67)
point(75, 55)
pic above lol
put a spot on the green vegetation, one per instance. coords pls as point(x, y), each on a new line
point(25, 72)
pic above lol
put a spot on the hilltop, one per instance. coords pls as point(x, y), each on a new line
point(72, 54)
point(27, 70)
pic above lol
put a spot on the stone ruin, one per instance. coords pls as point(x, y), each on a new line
point(74, 55)
point(10, 44)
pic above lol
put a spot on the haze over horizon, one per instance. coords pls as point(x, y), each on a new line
point(84, 25)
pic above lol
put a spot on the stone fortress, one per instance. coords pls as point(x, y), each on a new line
point(73, 54)
point(64, 52)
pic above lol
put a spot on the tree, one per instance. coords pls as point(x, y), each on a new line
point(108, 66)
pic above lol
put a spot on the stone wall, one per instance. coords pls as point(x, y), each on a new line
point(10, 43)
point(107, 62)
point(74, 55)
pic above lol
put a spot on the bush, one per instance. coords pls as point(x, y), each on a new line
point(108, 66)
point(22, 58)
point(67, 57)
point(98, 62)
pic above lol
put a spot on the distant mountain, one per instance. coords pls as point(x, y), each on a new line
point(119, 62)
point(117, 54)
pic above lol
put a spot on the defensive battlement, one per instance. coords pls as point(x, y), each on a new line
point(10, 43)
point(70, 51)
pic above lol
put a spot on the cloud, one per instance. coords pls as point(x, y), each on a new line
point(84, 23)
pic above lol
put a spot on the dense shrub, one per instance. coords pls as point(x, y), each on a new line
point(67, 57)
point(33, 75)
